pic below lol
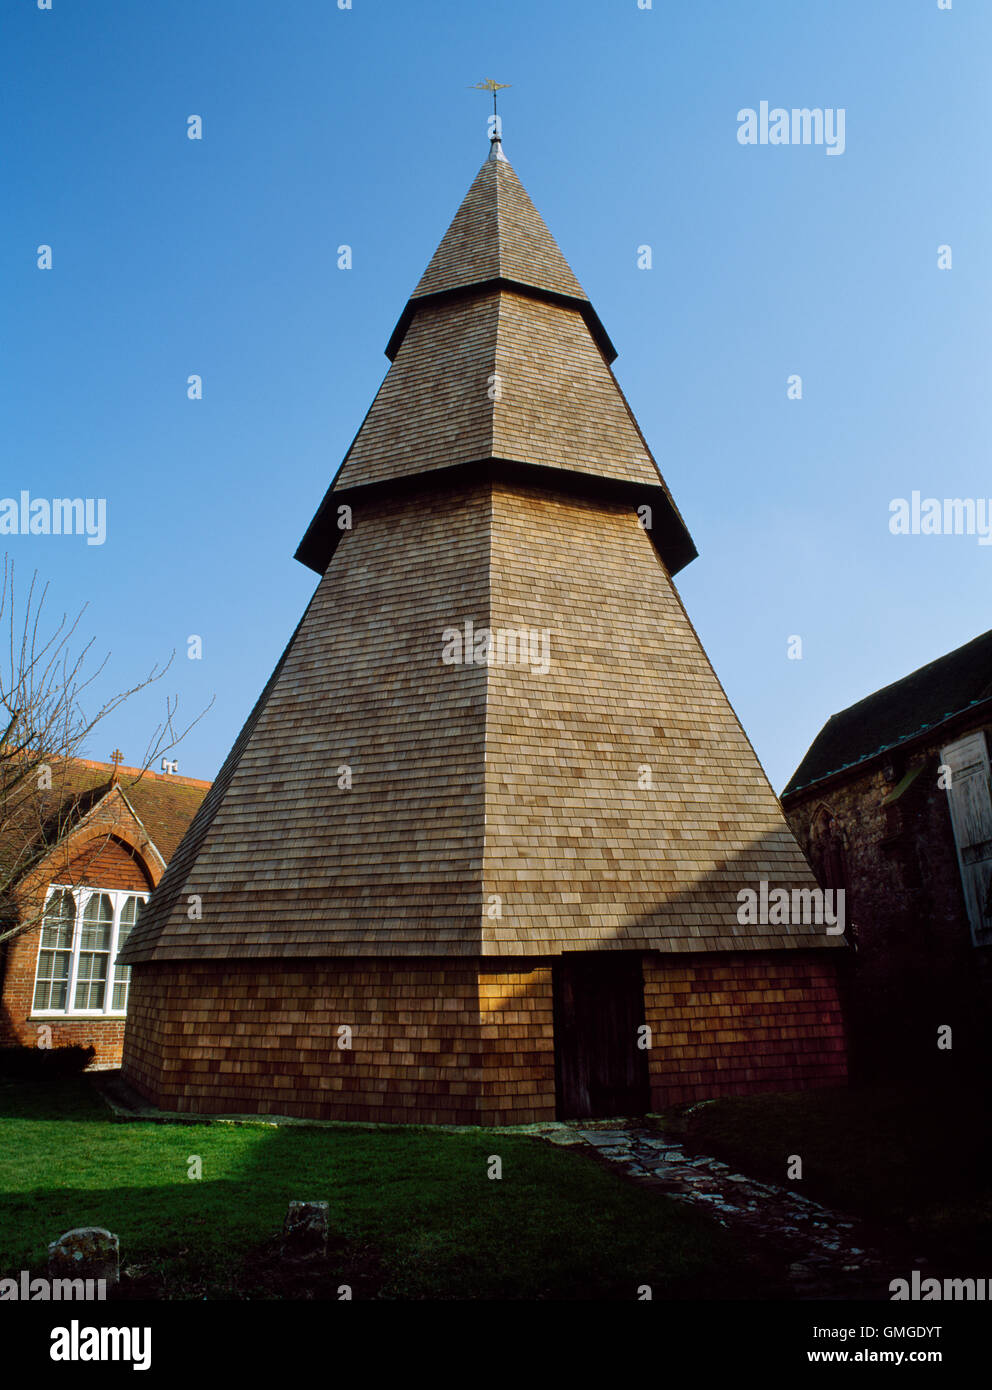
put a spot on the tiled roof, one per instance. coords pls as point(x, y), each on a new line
point(903, 710)
point(164, 803)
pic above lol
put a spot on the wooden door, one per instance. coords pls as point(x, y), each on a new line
point(598, 1008)
point(970, 806)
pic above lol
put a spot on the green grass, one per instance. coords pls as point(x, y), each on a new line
point(916, 1164)
point(413, 1213)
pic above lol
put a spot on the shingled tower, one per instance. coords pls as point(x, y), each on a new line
point(493, 811)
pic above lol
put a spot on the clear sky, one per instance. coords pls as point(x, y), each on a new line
point(324, 126)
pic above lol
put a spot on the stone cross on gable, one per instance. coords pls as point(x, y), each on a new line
point(116, 757)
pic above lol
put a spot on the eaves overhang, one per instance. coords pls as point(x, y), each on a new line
point(499, 282)
point(907, 743)
point(668, 531)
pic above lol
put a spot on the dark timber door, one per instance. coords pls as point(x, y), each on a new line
point(598, 1008)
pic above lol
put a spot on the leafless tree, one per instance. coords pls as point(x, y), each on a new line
point(46, 670)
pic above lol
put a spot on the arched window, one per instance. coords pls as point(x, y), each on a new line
point(51, 990)
point(82, 931)
point(94, 952)
point(130, 913)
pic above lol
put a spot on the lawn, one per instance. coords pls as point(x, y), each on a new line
point(413, 1212)
point(917, 1164)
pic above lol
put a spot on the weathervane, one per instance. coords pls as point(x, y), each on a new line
point(491, 86)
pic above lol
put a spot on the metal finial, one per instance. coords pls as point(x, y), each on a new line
point(490, 85)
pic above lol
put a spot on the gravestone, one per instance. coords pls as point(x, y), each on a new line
point(304, 1231)
point(86, 1252)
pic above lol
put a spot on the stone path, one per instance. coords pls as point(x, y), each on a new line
point(821, 1253)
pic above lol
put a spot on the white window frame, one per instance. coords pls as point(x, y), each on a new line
point(81, 897)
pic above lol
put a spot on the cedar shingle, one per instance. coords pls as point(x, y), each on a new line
point(498, 233)
point(476, 784)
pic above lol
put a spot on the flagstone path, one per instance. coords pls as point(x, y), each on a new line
point(820, 1253)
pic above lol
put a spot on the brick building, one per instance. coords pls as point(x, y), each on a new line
point(490, 818)
point(78, 903)
point(892, 804)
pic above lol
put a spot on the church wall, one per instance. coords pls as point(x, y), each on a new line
point(735, 1024)
point(104, 863)
point(914, 967)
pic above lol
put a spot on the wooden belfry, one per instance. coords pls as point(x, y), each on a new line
point(476, 854)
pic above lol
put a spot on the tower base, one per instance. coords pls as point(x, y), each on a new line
point(481, 1041)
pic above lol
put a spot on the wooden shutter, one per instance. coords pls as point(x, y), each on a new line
point(970, 805)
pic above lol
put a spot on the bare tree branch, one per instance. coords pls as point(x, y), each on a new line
point(45, 674)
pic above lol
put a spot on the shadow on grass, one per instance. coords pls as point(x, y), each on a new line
point(914, 1162)
point(413, 1213)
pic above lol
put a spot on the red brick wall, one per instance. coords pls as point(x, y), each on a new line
point(741, 1023)
point(105, 1036)
point(431, 1042)
point(104, 863)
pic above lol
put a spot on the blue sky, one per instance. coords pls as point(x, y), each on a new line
point(323, 126)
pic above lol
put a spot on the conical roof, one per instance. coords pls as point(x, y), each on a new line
point(577, 782)
point(498, 233)
point(383, 801)
point(498, 376)
point(499, 358)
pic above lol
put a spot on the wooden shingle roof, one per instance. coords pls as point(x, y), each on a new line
point(384, 801)
point(498, 233)
point(471, 784)
point(499, 357)
point(502, 376)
